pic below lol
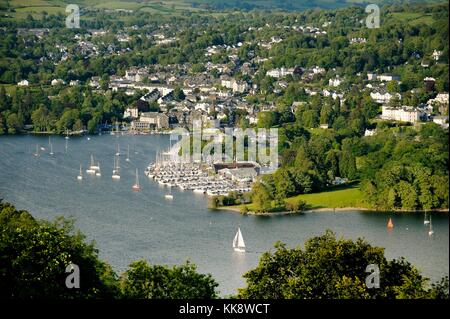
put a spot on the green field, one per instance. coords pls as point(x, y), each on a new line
point(413, 18)
point(338, 197)
point(36, 7)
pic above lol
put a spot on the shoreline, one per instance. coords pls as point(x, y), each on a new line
point(329, 210)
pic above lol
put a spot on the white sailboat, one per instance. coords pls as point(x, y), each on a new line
point(98, 173)
point(116, 174)
point(118, 151)
point(128, 154)
point(51, 148)
point(238, 242)
point(430, 232)
point(169, 196)
point(36, 154)
point(67, 134)
point(136, 187)
point(92, 167)
point(426, 221)
point(80, 176)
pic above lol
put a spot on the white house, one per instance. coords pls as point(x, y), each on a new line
point(383, 97)
point(131, 112)
point(23, 83)
point(318, 70)
point(388, 77)
point(335, 81)
point(279, 73)
point(403, 114)
point(441, 120)
point(436, 55)
point(57, 82)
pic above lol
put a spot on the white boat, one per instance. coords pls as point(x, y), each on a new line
point(238, 242)
point(93, 166)
point(36, 154)
point(98, 173)
point(51, 149)
point(168, 196)
point(115, 174)
point(128, 154)
point(430, 232)
point(426, 221)
point(80, 176)
point(67, 134)
point(136, 187)
point(118, 151)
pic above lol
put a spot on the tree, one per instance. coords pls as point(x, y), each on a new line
point(14, 123)
point(267, 119)
point(143, 281)
point(261, 198)
point(330, 268)
point(295, 205)
point(34, 256)
point(2, 125)
point(39, 118)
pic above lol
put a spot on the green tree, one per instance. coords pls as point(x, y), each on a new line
point(144, 281)
point(14, 123)
point(261, 198)
point(330, 268)
point(34, 256)
point(40, 119)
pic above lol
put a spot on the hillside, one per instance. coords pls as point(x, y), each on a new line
point(21, 8)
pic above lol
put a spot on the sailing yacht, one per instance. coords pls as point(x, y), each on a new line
point(36, 154)
point(390, 224)
point(238, 242)
point(136, 187)
point(169, 196)
point(67, 134)
point(98, 173)
point(430, 232)
point(91, 168)
point(426, 221)
point(128, 154)
point(118, 151)
point(116, 174)
point(80, 176)
point(51, 148)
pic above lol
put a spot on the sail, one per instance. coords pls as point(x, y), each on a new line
point(390, 223)
point(238, 241)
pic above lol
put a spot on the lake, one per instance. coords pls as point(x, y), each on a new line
point(128, 225)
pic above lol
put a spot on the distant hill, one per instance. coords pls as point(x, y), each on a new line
point(291, 5)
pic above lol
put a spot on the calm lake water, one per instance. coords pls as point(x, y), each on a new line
point(127, 226)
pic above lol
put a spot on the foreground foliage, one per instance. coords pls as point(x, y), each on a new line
point(330, 268)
